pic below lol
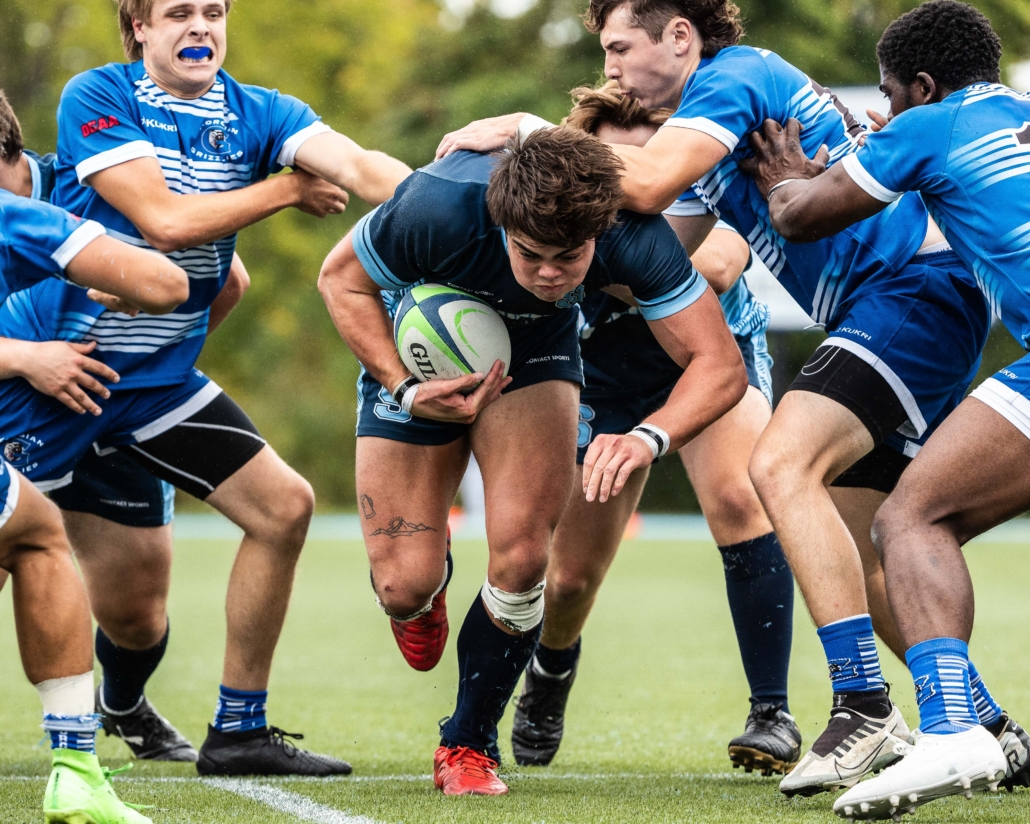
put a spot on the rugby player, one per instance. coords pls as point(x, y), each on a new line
point(530, 230)
point(41, 242)
point(905, 319)
point(961, 139)
point(627, 375)
point(172, 153)
point(107, 496)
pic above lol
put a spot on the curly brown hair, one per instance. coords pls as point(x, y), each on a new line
point(718, 21)
point(139, 10)
point(558, 187)
point(11, 142)
point(594, 107)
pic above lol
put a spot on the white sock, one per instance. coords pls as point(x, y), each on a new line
point(67, 696)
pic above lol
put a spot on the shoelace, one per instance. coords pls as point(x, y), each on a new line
point(277, 738)
point(765, 719)
point(471, 762)
point(117, 771)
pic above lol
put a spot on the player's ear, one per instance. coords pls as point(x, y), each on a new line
point(925, 88)
point(137, 30)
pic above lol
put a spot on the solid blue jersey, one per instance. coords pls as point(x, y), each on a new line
point(37, 242)
point(969, 157)
point(731, 95)
point(44, 174)
point(229, 138)
point(437, 229)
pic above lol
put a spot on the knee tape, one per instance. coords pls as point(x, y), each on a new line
point(518, 611)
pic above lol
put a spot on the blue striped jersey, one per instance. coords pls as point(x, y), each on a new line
point(731, 95)
point(230, 137)
point(37, 242)
point(437, 229)
point(969, 157)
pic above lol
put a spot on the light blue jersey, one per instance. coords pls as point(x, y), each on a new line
point(229, 138)
point(969, 156)
point(731, 95)
point(37, 242)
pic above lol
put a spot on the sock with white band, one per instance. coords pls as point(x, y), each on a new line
point(68, 712)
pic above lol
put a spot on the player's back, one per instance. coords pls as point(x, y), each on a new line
point(730, 96)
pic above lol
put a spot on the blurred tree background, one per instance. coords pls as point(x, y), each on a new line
point(396, 75)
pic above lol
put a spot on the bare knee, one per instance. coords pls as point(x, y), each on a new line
point(518, 565)
point(401, 596)
point(775, 472)
point(287, 513)
point(570, 587)
point(139, 626)
point(735, 503)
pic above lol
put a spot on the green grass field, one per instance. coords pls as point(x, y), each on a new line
point(660, 692)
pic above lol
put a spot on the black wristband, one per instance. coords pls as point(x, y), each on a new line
point(401, 389)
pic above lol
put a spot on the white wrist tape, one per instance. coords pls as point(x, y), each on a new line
point(654, 436)
point(518, 611)
point(408, 400)
point(636, 433)
point(782, 183)
point(531, 123)
point(67, 696)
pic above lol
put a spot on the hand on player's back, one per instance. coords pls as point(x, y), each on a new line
point(609, 462)
point(62, 370)
point(442, 400)
point(318, 197)
point(481, 135)
point(778, 156)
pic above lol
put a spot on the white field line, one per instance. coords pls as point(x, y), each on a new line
point(283, 801)
point(360, 779)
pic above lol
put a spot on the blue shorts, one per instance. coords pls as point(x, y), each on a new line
point(615, 413)
point(545, 349)
point(923, 330)
point(44, 440)
point(1007, 392)
point(9, 487)
point(115, 487)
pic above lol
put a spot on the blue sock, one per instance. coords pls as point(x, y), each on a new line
point(240, 710)
point(940, 669)
point(987, 709)
point(850, 649)
point(557, 662)
point(490, 663)
point(126, 671)
point(760, 591)
point(72, 732)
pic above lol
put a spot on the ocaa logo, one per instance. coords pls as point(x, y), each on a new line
point(16, 452)
point(214, 140)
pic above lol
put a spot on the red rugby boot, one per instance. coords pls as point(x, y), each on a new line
point(422, 640)
point(463, 771)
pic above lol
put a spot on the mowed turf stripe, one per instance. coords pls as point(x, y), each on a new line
point(284, 801)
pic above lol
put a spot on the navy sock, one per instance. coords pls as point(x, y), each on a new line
point(126, 671)
point(557, 662)
point(490, 663)
point(760, 590)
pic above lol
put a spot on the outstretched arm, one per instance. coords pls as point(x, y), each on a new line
point(360, 316)
point(138, 279)
point(372, 176)
point(807, 202)
point(713, 382)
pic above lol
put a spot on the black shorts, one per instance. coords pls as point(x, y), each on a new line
point(202, 451)
point(847, 379)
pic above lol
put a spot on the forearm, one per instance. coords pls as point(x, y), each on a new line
point(647, 186)
point(13, 357)
point(802, 211)
point(375, 177)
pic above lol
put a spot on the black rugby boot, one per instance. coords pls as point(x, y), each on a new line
point(771, 742)
point(1016, 744)
point(264, 751)
point(539, 722)
point(146, 732)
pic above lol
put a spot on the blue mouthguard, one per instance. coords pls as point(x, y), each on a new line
point(196, 53)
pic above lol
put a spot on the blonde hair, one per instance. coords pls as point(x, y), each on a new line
point(606, 105)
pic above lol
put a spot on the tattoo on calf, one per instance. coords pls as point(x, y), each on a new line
point(368, 508)
point(399, 528)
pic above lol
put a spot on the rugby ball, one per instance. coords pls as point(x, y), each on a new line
point(442, 332)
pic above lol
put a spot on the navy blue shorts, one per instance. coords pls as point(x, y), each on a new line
point(545, 349)
point(608, 413)
point(115, 487)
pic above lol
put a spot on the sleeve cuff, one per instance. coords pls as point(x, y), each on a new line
point(866, 182)
point(114, 157)
point(370, 260)
point(78, 240)
point(531, 123)
point(675, 301)
point(708, 127)
point(722, 224)
point(687, 208)
point(293, 143)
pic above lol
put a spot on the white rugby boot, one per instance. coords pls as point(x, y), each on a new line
point(1015, 743)
point(852, 746)
point(936, 767)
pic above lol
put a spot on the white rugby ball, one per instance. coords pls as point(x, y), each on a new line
point(442, 332)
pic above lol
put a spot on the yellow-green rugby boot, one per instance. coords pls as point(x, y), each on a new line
point(79, 792)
